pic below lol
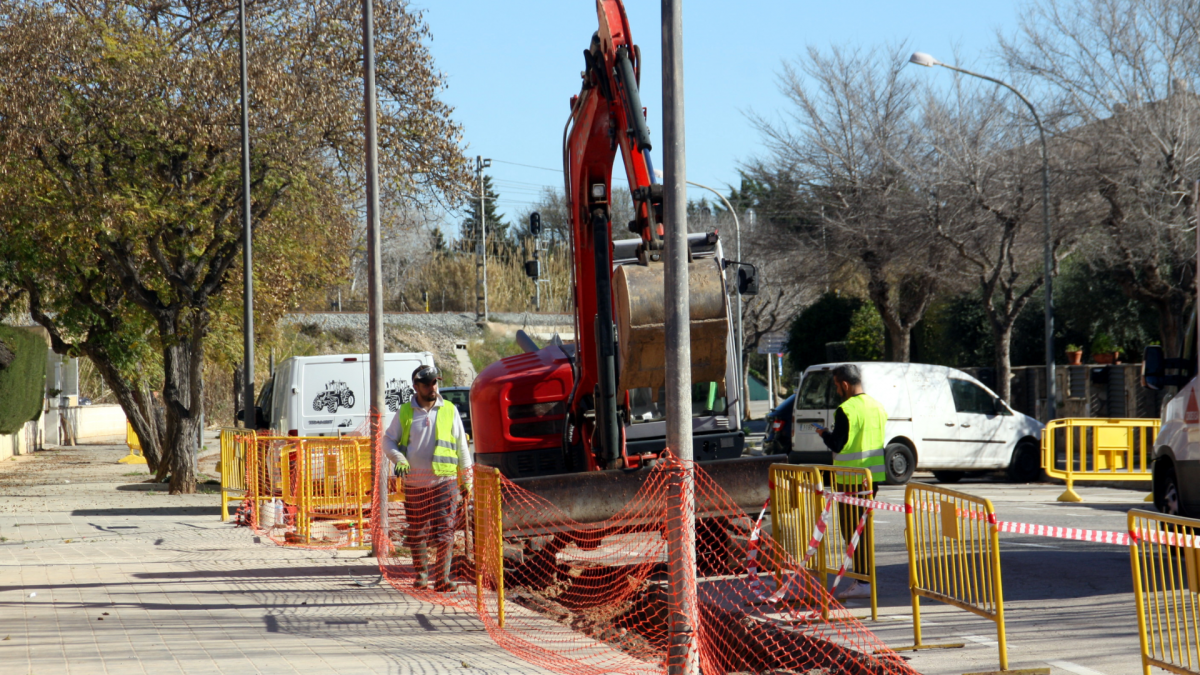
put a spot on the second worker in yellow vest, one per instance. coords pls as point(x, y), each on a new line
point(428, 446)
point(857, 439)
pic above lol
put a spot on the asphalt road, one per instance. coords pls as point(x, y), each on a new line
point(1069, 605)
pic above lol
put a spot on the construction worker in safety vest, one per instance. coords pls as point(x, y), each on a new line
point(857, 440)
point(428, 447)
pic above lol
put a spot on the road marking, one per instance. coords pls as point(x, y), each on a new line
point(979, 639)
point(1074, 668)
point(1036, 545)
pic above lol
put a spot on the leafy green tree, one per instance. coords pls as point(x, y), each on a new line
point(826, 320)
point(119, 132)
point(864, 340)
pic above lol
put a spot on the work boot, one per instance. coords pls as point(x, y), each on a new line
point(445, 561)
point(420, 567)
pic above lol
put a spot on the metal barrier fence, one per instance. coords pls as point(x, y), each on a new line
point(233, 465)
point(801, 498)
point(489, 539)
point(309, 491)
point(135, 455)
point(1165, 556)
point(1098, 449)
point(953, 557)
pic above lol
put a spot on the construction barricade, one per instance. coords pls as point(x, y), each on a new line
point(232, 466)
point(954, 558)
point(594, 597)
point(489, 540)
point(819, 516)
point(135, 455)
point(313, 492)
point(1165, 555)
point(1098, 450)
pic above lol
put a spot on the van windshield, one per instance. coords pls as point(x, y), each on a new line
point(816, 391)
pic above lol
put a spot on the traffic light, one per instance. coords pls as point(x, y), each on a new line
point(533, 269)
point(535, 224)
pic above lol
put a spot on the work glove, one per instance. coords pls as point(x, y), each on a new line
point(400, 470)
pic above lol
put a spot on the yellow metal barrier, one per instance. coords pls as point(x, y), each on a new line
point(135, 455)
point(1098, 449)
point(233, 464)
point(333, 502)
point(799, 495)
point(489, 537)
point(954, 558)
point(1165, 557)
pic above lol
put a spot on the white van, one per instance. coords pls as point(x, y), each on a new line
point(328, 395)
point(939, 419)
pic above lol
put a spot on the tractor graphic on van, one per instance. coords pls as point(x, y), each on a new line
point(336, 395)
point(397, 393)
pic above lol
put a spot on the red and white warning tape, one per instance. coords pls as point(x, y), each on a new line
point(814, 543)
point(862, 523)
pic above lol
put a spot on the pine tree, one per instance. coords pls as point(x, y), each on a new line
point(497, 229)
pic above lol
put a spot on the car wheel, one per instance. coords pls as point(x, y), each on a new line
point(1026, 465)
point(949, 476)
point(898, 463)
point(1166, 489)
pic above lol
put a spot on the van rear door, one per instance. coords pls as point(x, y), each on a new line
point(333, 395)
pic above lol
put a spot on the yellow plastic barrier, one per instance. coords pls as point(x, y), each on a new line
point(135, 455)
point(489, 537)
point(954, 558)
point(233, 465)
point(799, 495)
point(1098, 449)
point(1165, 557)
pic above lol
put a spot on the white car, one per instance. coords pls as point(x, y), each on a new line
point(1176, 473)
point(939, 419)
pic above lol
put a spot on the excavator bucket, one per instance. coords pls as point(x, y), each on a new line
point(638, 295)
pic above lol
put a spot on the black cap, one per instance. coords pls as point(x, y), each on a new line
point(426, 374)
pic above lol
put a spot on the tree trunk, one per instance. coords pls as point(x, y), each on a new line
point(1002, 334)
point(183, 396)
point(901, 339)
point(138, 411)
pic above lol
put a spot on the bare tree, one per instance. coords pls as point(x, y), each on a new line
point(986, 169)
point(1123, 70)
point(849, 137)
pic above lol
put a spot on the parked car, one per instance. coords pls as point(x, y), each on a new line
point(939, 419)
point(461, 398)
point(778, 439)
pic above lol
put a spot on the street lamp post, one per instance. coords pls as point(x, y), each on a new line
point(481, 291)
point(922, 59)
point(737, 230)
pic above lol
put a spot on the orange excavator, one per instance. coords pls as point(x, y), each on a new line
point(566, 419)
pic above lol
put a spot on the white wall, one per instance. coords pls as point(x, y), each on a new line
point(98, 423)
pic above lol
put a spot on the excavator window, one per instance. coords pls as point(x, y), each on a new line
point(705, 402)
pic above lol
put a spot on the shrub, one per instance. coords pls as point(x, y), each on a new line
point(23, 381)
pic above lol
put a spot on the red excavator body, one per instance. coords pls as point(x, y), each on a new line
point(595, 404)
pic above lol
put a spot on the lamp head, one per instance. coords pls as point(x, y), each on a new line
point(923, 59)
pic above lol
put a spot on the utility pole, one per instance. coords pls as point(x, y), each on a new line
point(682, 650)
point(380, 539)
point(481, 293)
point(249, 420)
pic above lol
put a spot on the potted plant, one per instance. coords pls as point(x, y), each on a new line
point(1074, 355)
point(1104, 350)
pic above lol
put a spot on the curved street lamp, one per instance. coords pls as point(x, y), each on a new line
point(923, 59)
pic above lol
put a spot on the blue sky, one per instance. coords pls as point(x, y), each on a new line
point(512, 67)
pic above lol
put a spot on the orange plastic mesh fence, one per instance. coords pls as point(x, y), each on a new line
point(595, 598)
point(310, 492)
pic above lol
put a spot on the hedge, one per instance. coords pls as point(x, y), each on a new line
point(23, 381)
